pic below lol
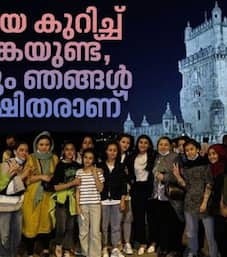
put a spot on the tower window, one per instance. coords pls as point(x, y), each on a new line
point(166, 124)
point(198, 114)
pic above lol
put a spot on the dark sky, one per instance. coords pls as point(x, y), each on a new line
point(153, 42)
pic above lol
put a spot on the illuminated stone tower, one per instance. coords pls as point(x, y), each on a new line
point(203, 97)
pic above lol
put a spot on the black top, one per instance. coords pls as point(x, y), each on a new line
point(115, 185)
point(64, 173)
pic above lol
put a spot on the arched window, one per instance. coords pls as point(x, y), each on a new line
point(198, 114)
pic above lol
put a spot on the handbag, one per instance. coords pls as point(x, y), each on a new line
point(174, 192)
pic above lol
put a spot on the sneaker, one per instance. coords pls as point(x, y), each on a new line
point(66, 254)
point(151, 249)
point(58, 251)
point(141, 250)
point(116, 253)
point(128, 248)
point(191, 255)
point(105, 252)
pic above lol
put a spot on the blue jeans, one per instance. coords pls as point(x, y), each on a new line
point(111, 215)
point(192, 222)
point(10, 233)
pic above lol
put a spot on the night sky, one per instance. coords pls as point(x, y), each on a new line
point(153, 42)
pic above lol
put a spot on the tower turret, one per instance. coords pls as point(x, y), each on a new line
point(128, 124)
point(168, 120)
point(216, 14)
point(187, 32)
point(144, 122)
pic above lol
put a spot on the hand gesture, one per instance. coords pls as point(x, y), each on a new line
point(176, 170)
point(13, 169)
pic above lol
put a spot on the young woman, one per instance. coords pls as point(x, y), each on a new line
point(36, 216)
point(64, 183)
point(197, 180)
point(166, 215)
point(217, 156)
point(140, 167)
point(124, 141)
point(113, 198)
point(89, 205)
point(12, 176)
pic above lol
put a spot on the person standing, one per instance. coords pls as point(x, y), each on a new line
point(36, 217)
point(89, 205)
point(12, 176)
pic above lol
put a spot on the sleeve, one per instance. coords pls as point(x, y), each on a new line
point(4, 176)
point(124, 182)
point(208, 176)
point(58, 176)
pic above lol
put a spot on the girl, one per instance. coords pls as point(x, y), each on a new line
point(198, 182)
point(89, 208)
point(166, 215)
point(64, 183)
point(87, 143)
point(12, 188)
point(36, 216)
point(218, 159)
point(113, 198)
point(141, 178)
point(124, 141)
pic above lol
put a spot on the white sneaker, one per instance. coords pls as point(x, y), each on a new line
point(151, 249)
point(141, 250)
point(66, 254)
point(105, 252)
point(116, 253)
point(128, 248)
point(58, 251)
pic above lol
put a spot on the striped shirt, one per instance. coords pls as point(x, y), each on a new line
point(88, 190)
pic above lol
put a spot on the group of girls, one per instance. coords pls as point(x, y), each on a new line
point(106, 196)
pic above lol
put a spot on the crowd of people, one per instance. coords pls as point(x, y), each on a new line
point(114, 201)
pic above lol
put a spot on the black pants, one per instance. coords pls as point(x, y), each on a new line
point(43, 239)
point(64, 227)
point(140, 194)
point(166, 229)
point(220, 232)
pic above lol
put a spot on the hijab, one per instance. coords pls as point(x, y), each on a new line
point(219, 167)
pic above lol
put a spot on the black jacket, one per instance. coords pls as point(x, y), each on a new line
point(115, 182)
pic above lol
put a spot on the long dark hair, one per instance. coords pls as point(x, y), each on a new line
point(143, 136)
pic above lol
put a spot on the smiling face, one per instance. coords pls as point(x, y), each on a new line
point(164, 146)
point(180, 145)
point(143, 145)
point(124, 144)
point(191, 151)
point(43, 145)
point(22, 152)
point(213, 156)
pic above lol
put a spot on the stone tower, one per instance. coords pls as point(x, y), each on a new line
point(203, 97)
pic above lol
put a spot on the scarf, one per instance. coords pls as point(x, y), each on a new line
point(219, 167)
point(44, 160)
point(199, 161)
